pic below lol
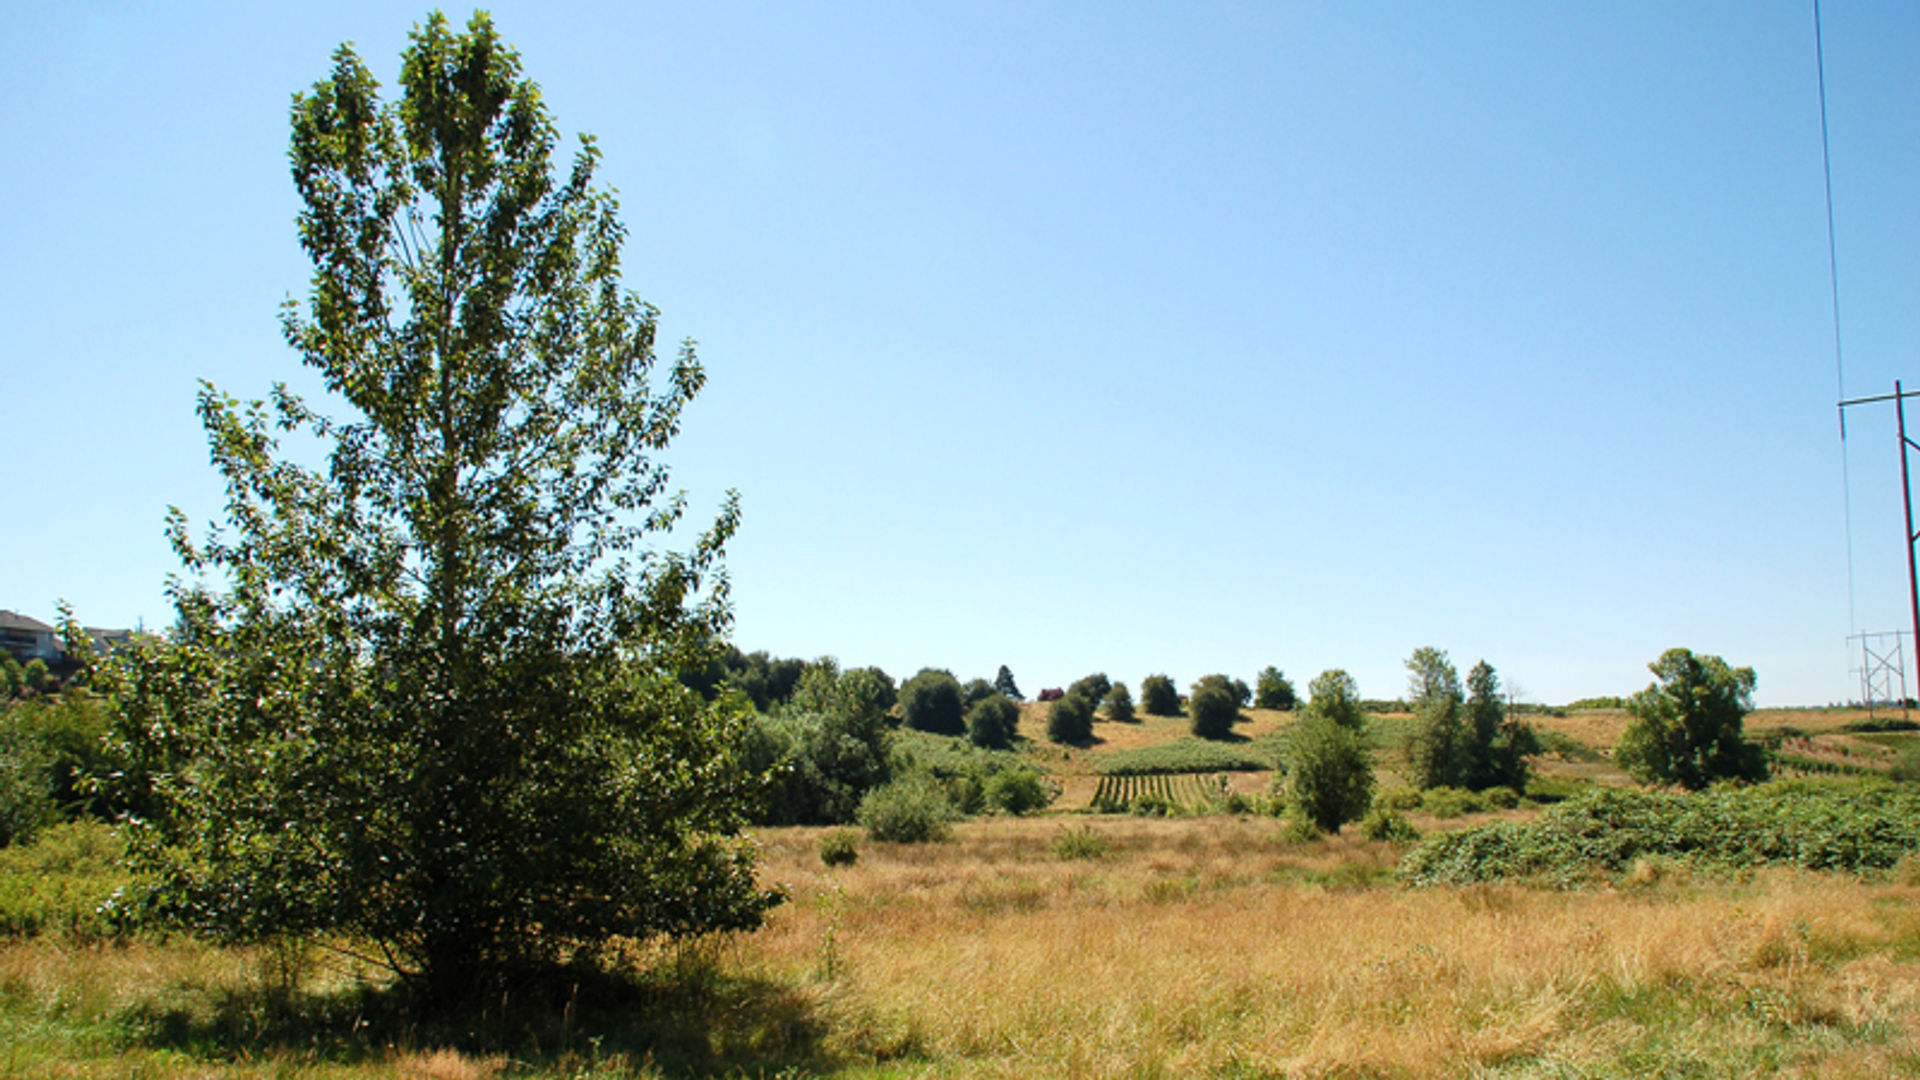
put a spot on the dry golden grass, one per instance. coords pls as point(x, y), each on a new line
point(1206, 946)
point(1191, 947)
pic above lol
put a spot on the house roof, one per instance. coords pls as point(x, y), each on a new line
point(13, 620)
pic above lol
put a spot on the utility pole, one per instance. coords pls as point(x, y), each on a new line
point(1899, 398)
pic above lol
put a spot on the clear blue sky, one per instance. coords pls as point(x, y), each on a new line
point(1112, 337)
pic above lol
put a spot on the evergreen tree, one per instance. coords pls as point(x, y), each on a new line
point(1003, 682)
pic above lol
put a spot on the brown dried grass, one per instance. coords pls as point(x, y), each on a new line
point(1207, 945)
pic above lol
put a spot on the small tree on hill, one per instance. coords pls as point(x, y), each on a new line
point(974, 692)
point(993, 722)
point(1120, 704)
point(1158, 697)
point(1333, 695)
point(1686, 727)
point(1272, 690)
point(930, 701)
point(1003, 682)
point(1094, 687)
point(1070, 720)
point(1213, 707)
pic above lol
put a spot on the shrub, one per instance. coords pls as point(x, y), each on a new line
point(993, 722)
point(1151, 804)
point(1080, 842)
point(912, 809)
point(1158, 697)
point(1213, 709)
point(839, 848)
point(1299, 830)
point(1070, 720)
point(930, 701)
point(1018, 791)
point(1120, 704)
point(1501, 798)
point(25, 768)
point(1451, 802)
point(1398, 798)
point(1388, 825)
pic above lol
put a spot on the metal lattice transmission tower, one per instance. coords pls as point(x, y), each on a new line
point(1883, 670)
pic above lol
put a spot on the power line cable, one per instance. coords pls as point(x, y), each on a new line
point(1833, 279)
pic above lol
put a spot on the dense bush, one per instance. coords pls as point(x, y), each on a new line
point(1451, 802)
point(839, 847)
point(1212, 708)
point(1158, 697)
point(993, 722)
point(911, 809)
point(930, 701)
point(1070, 720)
point(1018, 792)
point(1852, 827)
point(1082, 842)
point(1391, 826)
point(1398, 798)
point(1120, 704)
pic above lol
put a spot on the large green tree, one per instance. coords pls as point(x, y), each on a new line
point(1686, 726)
point(424, 693)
